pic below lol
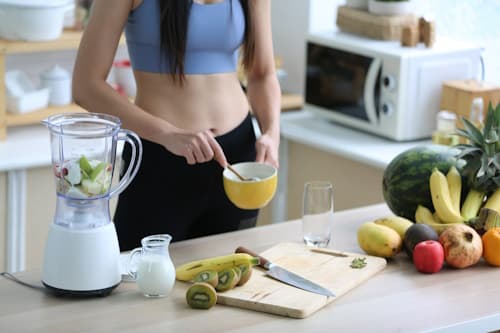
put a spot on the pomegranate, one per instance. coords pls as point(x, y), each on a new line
point(462, 245)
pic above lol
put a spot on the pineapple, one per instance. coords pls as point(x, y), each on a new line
point(482, 160)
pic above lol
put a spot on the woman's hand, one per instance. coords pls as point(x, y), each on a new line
point(196, 147)
point(267, 150)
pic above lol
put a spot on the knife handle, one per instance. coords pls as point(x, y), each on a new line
point(263, 262)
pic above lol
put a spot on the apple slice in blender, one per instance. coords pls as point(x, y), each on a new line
point(91, 187)
point(75, 192)
point(74, 175)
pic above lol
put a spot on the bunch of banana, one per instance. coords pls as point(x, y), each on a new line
point(445, 194)
point(188, 271)
point(424, 215)
point(493, 201)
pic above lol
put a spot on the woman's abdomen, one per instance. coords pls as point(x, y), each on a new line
point(214, 102)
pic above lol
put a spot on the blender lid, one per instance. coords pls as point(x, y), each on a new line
point(35, 3)
point(96, 124)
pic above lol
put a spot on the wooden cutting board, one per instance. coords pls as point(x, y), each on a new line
point(262, 293)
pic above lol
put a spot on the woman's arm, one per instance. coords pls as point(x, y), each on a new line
point(93, 63)
point(263, 89)
point(92, 92)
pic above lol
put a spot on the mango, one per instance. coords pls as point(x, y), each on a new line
point(379, 240)
point(398, 223)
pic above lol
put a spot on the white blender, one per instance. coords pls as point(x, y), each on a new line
point(82, 255)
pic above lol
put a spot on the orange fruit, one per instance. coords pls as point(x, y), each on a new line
point(491, 246)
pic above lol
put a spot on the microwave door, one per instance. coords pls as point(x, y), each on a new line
point(370, 90)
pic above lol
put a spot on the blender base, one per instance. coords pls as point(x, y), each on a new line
point(81, 262)
point(80, 293)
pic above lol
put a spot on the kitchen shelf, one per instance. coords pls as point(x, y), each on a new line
point(35, 117)
point(69, 40)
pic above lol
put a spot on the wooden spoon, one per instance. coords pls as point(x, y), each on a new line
point(244, 179)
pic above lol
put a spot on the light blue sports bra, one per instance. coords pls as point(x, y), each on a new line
point(215, 33)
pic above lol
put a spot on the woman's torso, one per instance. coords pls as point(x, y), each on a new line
point(211, 96)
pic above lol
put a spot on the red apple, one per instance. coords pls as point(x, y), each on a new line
point(428, 256)
point(462, 245)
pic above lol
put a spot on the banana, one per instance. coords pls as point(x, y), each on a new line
point(472, 203)
point(455, 186)
point(436, 217)
point(188, 271)
point(439, 227)
point(397, 223)
point(441, 199)
point(425, 216)
point(493, 201)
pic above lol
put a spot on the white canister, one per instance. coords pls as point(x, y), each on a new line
point(359, 4)
point(58, 80)
point(124, 77)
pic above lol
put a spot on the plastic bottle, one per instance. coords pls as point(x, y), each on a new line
point(445, 133)
point(476, 115)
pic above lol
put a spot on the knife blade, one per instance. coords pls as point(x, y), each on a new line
point(283, 275)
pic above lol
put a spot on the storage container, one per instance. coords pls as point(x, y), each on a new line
point(33, 20)
point(22, 95)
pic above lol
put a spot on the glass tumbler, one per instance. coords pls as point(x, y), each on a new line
point(317, 213)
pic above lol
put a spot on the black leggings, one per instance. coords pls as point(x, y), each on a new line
point(186, 201)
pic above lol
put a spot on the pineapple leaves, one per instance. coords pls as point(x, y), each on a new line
point(496, 112)
point(467, 150)
point(481, 153)
point(484, 166)
point(490, 121)
point(496, 160)
point(472, 133)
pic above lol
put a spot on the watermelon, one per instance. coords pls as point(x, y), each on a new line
point(405, 182)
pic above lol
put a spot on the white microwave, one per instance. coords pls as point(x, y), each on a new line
point(382, 87)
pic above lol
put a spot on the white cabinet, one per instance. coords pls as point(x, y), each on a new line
point(354, 184)
point(3, 218)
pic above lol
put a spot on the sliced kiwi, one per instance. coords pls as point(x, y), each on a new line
point(210, 277)
point(228, 278)
point(246, 273)
point(201, 295)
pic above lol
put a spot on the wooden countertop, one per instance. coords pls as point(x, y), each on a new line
point(398, 299)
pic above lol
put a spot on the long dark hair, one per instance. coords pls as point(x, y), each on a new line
point(174, 24)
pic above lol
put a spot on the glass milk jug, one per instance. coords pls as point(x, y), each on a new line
point(154, 271)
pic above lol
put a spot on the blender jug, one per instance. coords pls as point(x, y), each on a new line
point(82, 252)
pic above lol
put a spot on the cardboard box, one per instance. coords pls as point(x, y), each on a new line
point(457, 96)
point(382, 27)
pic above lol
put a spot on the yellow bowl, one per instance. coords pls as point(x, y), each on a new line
point(252, 194)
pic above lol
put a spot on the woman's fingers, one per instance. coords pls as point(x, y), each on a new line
point(202, 147)
point(218, 153)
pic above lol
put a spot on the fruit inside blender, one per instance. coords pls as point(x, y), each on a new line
point(83, 177)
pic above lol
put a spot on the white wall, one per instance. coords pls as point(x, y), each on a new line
point(291, 21)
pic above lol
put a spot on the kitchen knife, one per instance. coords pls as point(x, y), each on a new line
point(283, 275)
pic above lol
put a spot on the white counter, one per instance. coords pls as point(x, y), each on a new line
point(305, 128)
